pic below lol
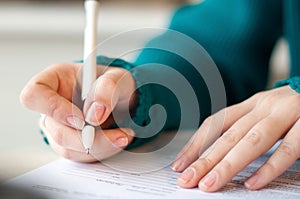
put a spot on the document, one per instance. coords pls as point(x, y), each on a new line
point(128, 178)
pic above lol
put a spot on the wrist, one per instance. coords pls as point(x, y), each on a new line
point(293, 82)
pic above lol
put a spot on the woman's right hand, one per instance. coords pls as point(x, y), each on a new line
point(51, 92)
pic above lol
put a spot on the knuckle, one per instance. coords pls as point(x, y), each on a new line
point(66, 154)
point(53, 105)
point(271, 167)
point(229, 137)
point(207, 123)
point(253, 137)
point(109, 82)
point(258, 95)
point(188, 155)
point(262, 97)
point(226, 166)
point(205, 163)
point(287, 149)
point(271, 98)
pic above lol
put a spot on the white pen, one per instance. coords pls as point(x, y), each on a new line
point(89, 71)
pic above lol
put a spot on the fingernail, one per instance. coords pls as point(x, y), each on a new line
point(121, 142)
point(187, 175)
point(75, 122)
point(209, 180)
point(128, 131)
point(95, 113)
point(177, 164)
point(251, 181)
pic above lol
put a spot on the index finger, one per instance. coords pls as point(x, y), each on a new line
point(113, 90)
point(50, 93)
point(209, 131)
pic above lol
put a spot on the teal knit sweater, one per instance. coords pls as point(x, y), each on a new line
point(239, 35)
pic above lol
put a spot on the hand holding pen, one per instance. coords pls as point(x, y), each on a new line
point(51, 92)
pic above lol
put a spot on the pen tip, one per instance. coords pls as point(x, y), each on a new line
point(88, 151)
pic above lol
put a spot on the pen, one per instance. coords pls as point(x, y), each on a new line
point(89, 71)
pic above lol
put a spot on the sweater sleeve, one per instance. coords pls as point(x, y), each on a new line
point(238, 35)
point(178, 82)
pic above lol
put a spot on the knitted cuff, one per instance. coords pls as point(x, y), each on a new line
point(44, 137)
point(293, 82)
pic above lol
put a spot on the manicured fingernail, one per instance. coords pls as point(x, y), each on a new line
point(95, 113)
point(209, 180)
point(121, 142)
point(251, 181)
point(187, 175)
point(75, 122)
point(177, 164)
point(129, 132)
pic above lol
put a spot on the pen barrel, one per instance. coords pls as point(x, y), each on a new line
point(90, 33)
point(89, 72)
point(88, 133)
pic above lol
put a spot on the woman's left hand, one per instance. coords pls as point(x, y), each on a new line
point(249, 130)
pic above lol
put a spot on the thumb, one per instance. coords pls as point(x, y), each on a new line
point(42, 98)
point(112, 90)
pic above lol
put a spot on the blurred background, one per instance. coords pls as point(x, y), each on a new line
point(35, 34)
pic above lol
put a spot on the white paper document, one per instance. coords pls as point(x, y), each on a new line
point(144, 177)
point(66, 179)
